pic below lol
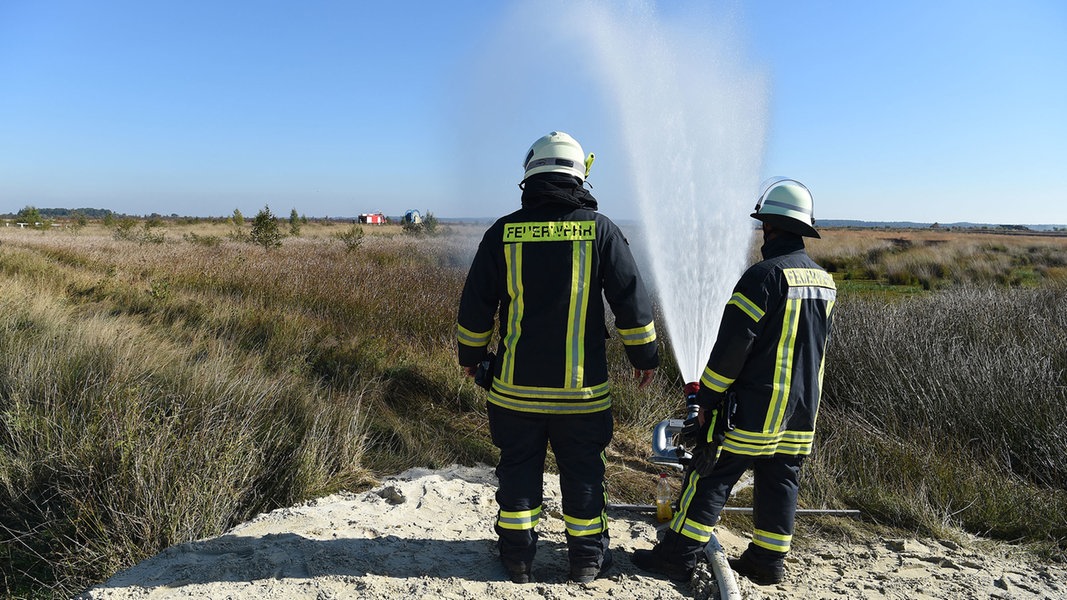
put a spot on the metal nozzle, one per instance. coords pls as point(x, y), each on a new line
point(665, 450)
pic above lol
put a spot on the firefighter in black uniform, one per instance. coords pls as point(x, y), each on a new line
point(544, 271)
point(758, 395)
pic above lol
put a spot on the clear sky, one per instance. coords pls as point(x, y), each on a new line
point(913, 110)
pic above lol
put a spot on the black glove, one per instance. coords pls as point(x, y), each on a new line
point(703, 460)
point(483, 377)
point(706, 440)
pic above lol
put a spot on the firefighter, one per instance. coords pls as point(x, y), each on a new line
point(545, 271)
point(758, 396)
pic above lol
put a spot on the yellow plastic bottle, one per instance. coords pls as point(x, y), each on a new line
point(664, 512)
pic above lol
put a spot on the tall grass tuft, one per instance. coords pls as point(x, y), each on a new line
point(949, 410)
point(115, 443)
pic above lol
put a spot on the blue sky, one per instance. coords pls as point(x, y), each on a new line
point(888, 110)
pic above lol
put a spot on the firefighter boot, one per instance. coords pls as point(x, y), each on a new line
point(589, 573)
point(518, 572)
point(674, 557)
point(762, 567)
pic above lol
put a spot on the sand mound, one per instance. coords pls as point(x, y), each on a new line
point(428, 534)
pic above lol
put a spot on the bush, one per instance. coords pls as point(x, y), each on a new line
point(352, 238)
point(265, 230)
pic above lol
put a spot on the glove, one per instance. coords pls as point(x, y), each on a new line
point(484, 375)
point(703, 460)
point(706, 439)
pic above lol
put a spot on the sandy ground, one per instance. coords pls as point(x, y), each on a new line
point(428, 534)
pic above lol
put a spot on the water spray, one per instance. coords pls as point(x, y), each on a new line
point(692, 117)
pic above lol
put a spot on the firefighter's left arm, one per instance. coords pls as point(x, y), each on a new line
point(477, 306)
point(630, 302)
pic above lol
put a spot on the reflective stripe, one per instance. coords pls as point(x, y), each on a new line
point(697, 531)
point(812, 293)
point(822, 369)
point(749, 307)
point(549, 231)
point(711, 426)
point(638, 335)
point(783, 367)
point(568, 408)
point(519, 520)
point(552, 393)
point(683, 503)
point(513, 258)
point(800, 208)
point(712, 380)
point(581, 272)
point(580, 527)
point(472, 338)
point(771, 541)
point(751, 443)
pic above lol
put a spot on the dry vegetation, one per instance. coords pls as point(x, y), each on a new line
point(164, 386)
point(936, 259)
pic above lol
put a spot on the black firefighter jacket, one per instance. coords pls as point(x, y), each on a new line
point(545, 271)
point(768, 357)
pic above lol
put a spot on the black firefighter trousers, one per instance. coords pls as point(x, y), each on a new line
point(774, 503)
point(578, 442)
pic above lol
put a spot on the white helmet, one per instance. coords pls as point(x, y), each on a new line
point(786, 204)
point(557, 152)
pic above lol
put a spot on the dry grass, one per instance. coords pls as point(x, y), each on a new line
point(153, 392)
point(931, 259)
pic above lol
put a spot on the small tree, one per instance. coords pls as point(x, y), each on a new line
point(78, 221)
point(29, 214)
point(294, 223)
point(351, 238)
point(238, 220)
point(124, 229)
point(265, 230)
point(429, 223)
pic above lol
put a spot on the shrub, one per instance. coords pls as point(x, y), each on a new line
point(265, 230)
point(352, 238)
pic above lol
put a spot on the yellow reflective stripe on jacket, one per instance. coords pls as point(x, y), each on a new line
point(552, 393)
point(472, 338)
point(548, 400)
point(771, 541)
point(638, 335)
point(513, 259)
point(519, 520)
point(713, 381)
point(749, 307)
point(580, 527)
point(581, 273)
point(783, 367)
point(550, 408)
point(753, 443)
point(549, 231)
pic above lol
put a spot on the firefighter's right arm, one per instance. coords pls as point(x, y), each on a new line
point(477, 308)
point(742, 323)
point(631, 304)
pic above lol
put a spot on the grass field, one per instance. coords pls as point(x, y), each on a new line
point(163, 384)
